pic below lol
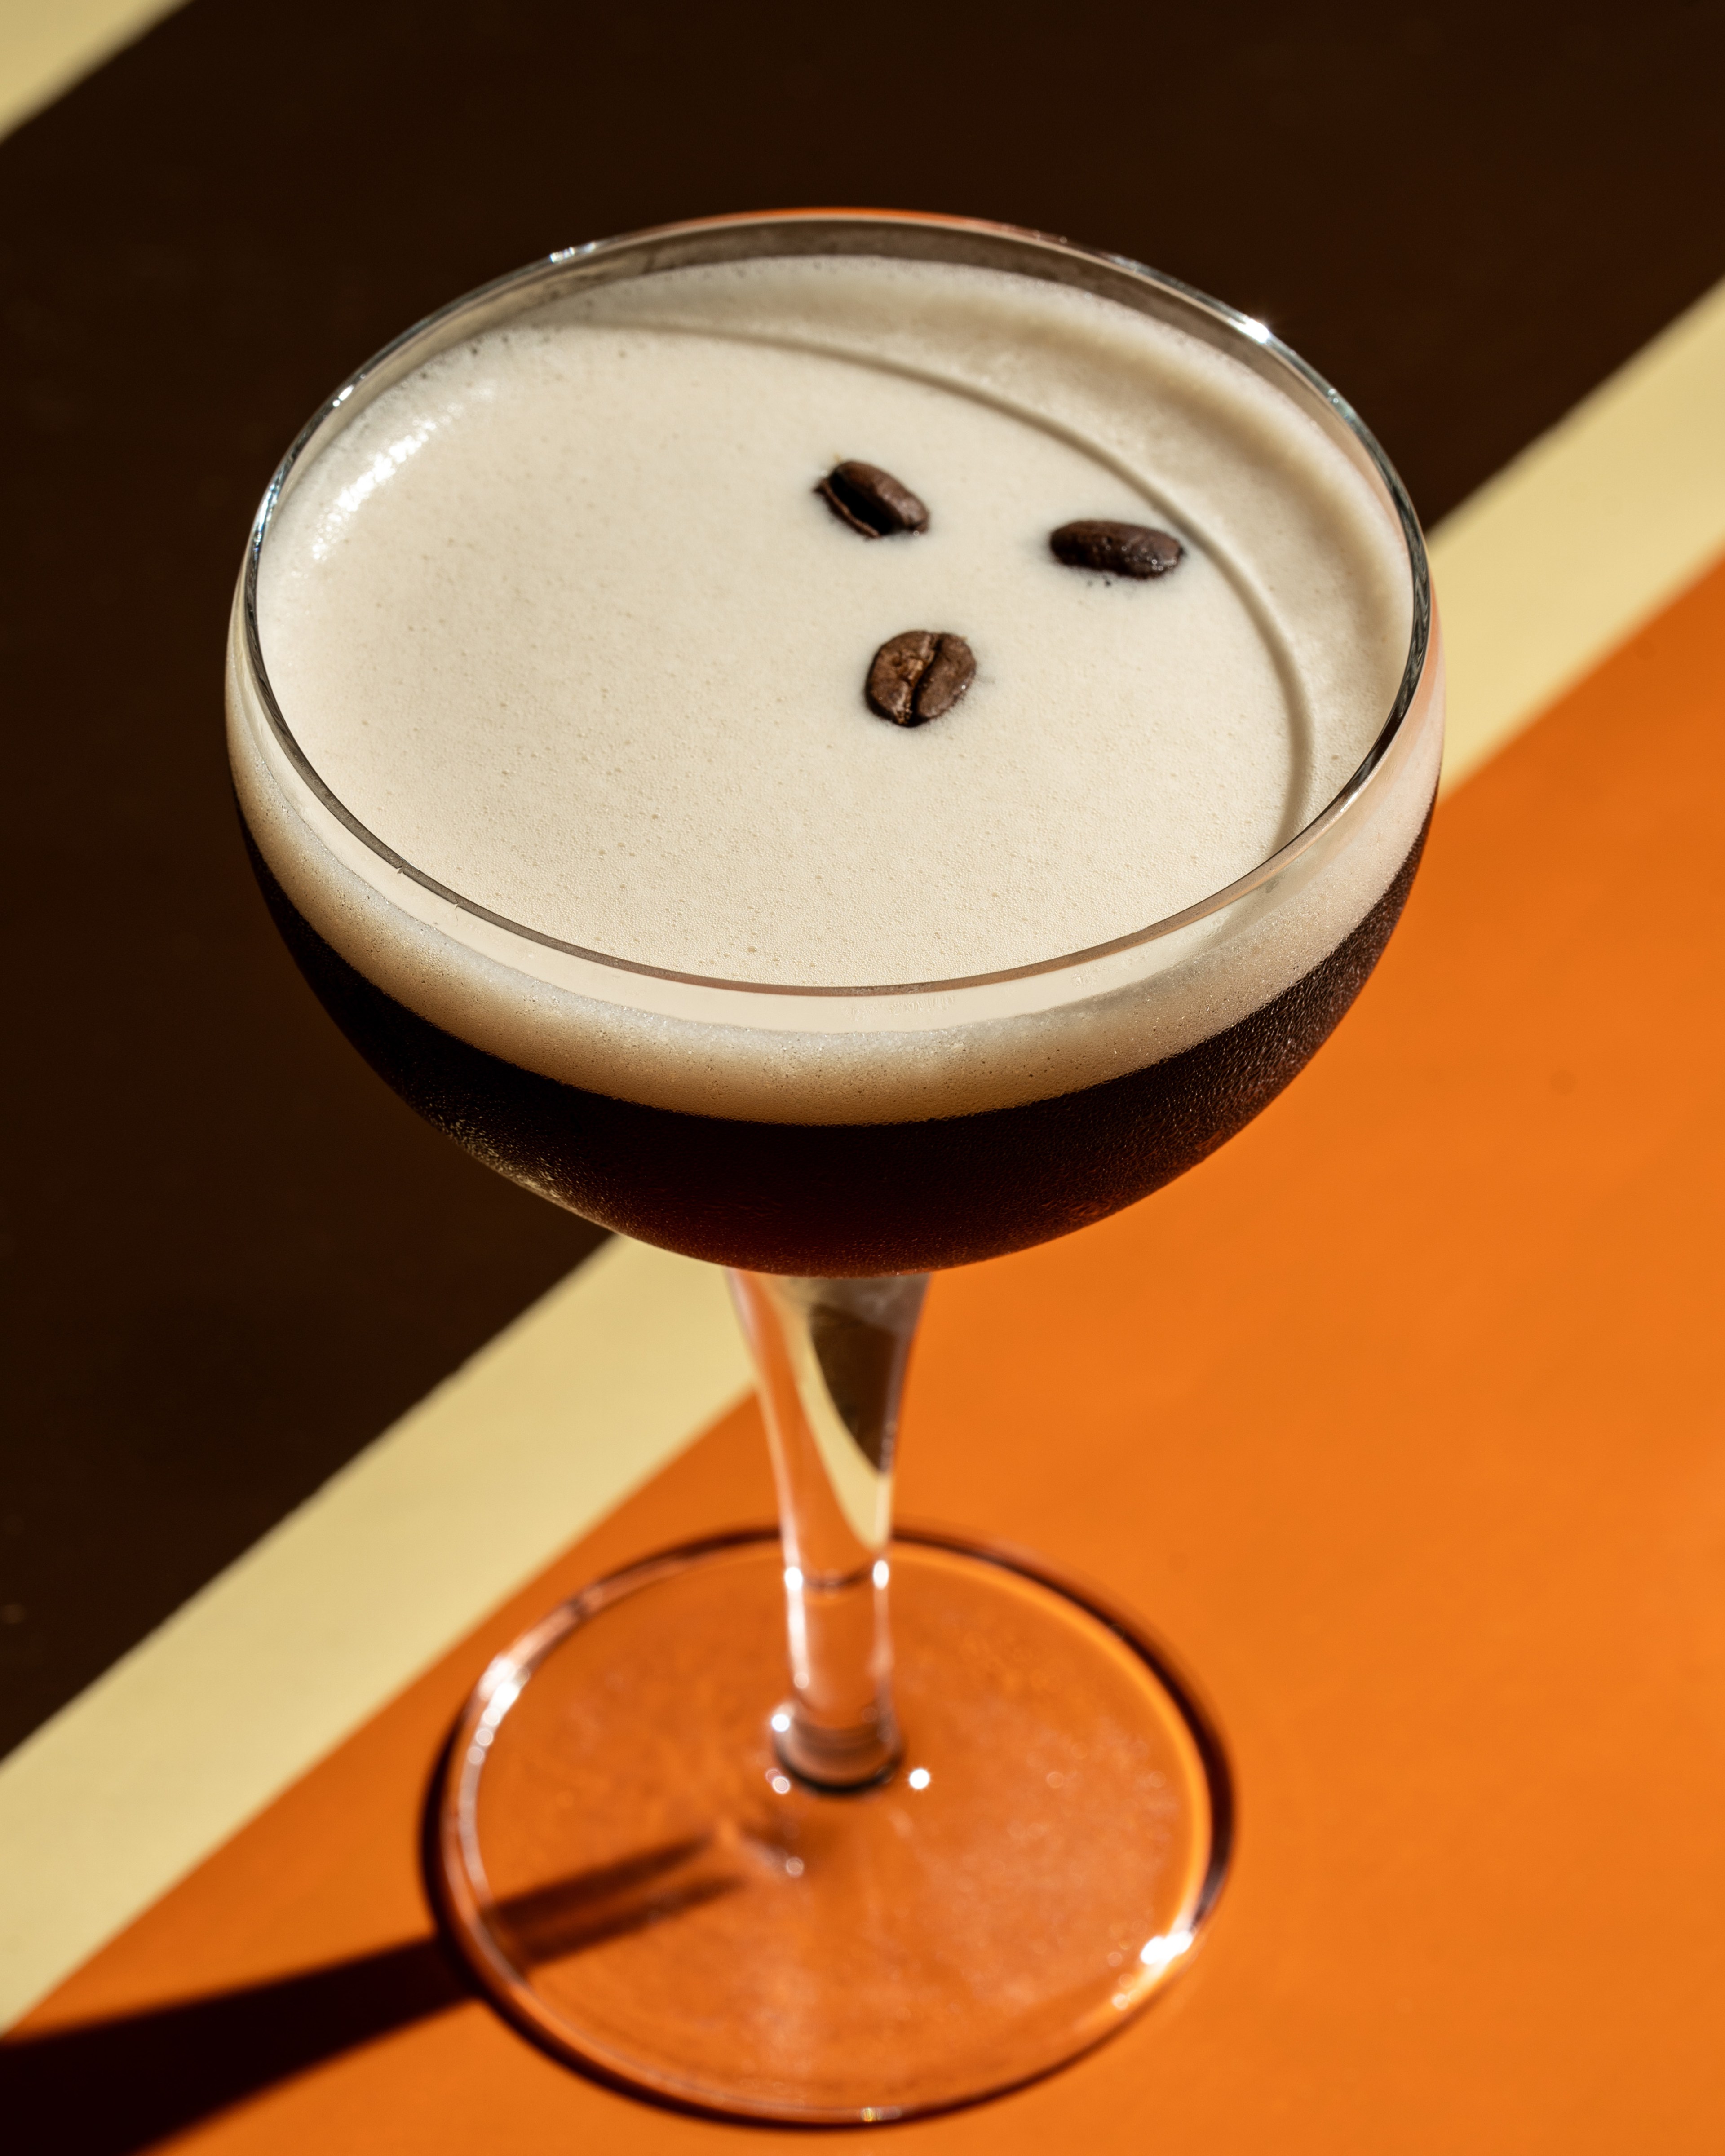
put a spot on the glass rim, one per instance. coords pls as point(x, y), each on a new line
point(1238, 330)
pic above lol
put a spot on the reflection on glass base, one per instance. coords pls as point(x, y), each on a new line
point(638, 1881)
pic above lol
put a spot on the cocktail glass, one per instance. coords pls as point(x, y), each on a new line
point(718, 1828)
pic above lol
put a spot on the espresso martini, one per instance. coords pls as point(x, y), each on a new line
point(839, 744)
point(577, 806)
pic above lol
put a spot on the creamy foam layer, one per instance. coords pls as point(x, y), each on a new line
point(560, 620)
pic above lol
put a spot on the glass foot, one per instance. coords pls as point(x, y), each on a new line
point(638, 1881)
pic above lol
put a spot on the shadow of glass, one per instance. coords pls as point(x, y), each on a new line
point(108, 2088)
point(118, 2086)
point(569, 1916)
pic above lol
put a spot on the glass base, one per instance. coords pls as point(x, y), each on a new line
point(639, 1884)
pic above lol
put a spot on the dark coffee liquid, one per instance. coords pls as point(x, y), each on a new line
point(827, 1199)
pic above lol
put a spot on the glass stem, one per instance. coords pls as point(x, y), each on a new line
point(830, 1357)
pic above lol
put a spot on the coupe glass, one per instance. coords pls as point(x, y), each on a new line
point(817, 1824)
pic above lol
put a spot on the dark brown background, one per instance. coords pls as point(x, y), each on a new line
point(232, 1258)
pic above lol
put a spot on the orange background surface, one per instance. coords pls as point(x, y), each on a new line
point(1400, 1420)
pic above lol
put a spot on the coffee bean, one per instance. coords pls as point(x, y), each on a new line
point(871, 501)
point(1117, 549)
point(919, 675)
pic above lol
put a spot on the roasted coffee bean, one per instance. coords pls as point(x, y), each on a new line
point(919, 675)
point(871, 501)
point(1117, 549)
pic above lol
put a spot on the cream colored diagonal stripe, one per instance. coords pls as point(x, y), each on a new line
point(471, 1494)
point(394, 1560)
point(1584, 536)
point(47, 45)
